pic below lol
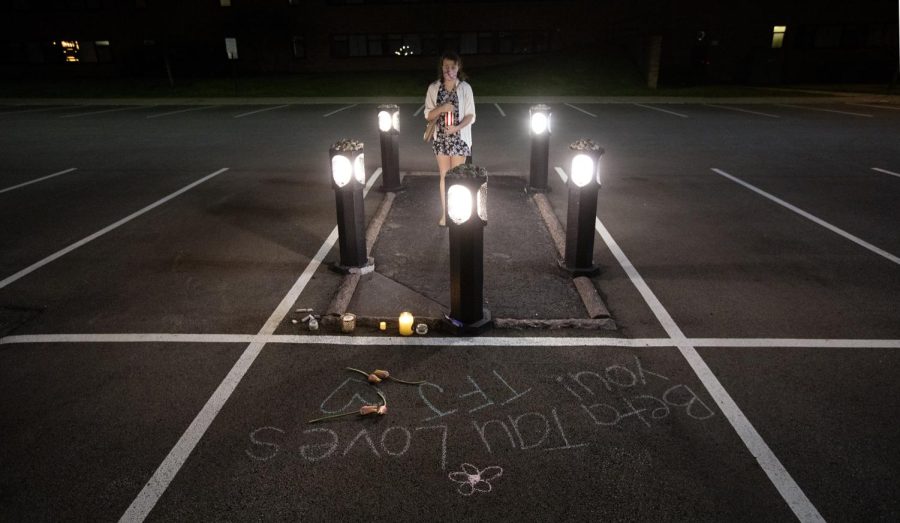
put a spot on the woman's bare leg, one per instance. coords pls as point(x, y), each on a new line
point(444, 164)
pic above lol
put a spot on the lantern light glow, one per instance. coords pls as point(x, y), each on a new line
point(582, 169)
point(459, 203)
point(341, 170)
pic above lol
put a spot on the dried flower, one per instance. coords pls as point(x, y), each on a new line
point(382, 410)
point(378, 375)
point(365, 410)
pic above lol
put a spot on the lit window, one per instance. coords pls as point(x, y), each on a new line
point(231, 48)
point(225, 3)
point(70, 50)
point(778, 36)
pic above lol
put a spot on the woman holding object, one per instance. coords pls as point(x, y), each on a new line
point(450, 100)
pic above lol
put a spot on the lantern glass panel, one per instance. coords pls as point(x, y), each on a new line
point(482, 202)
point(582, 169)
point(359, 168)
point(459, 203)
point(539, 123)
point(384, 121)
point(341, 170)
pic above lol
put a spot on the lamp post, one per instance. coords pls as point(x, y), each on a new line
point(467, 217)
point(584, 183)
point(348, 175)
point(540, 147)
point(389, 129)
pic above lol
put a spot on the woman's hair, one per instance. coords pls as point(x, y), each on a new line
point(453, 57)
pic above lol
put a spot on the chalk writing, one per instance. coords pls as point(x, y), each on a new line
point(438, 413)
point(472, 480)
point(270, 453)
point(361, 433)
point(605, 414)
point(619, 376)
point(329, 448)
point(321, 443)
point(488, 401)
point(622, 395)
point(407, 439)
point(477, 390)
point(531, 434)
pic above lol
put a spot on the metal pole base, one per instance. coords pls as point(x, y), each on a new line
point(399, 187)
point(345, 269)
point(459, 328)
point(579, 271)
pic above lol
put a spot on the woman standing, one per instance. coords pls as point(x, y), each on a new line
point(450, 100)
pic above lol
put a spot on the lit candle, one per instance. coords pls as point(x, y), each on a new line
point(449, 116)
point(382, 326)
point(406, 323)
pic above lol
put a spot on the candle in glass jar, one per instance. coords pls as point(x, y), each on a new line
point(405, 323)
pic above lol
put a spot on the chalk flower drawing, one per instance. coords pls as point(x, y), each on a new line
point(472, 480)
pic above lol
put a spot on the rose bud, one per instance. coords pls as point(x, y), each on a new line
point(368, 409)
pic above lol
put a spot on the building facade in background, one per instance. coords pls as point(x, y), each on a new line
point(681, 42)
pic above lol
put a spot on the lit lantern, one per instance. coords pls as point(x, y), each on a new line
point(540, 147)
point(467, 210)
point(584, 183)
point(348, 174)
point(389, 127)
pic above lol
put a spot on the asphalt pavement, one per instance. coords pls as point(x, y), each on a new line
point(157, 261)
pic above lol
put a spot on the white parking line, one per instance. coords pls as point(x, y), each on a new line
point(741, 110)
point(823, 110)
point(499, 109)
point(491, 341)
point(812, 218)
point(261, 111)
point(882, 106)
point(36, 180)
point(885, 171)
point(592, 115)
point(803, 509)
point(419, 110)
point(78, 115)
point(660, 110)
point(326, 115)
point(160, 115)
point(105, 230)
point(159, 482)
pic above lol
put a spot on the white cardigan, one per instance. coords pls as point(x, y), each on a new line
point(466, 106)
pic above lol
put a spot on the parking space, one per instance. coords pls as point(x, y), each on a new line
point(84, 425)
point(827, 413)
point(718, 398)
point(568, 446)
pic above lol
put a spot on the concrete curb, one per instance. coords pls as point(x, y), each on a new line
point(338, 305)
point(596, 309)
